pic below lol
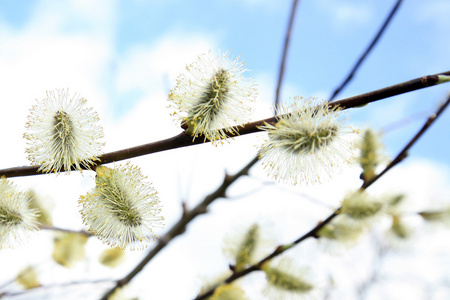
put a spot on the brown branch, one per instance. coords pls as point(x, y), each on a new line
point(183, 140)
point(402, 155)
point(364, 55)
point(313, 232)
point(180, 226)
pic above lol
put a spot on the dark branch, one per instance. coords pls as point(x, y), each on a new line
point(180, 226)
point(313, 232)
point(402, 155)
point(183, 140)
point(287, 39)
point(364, 55)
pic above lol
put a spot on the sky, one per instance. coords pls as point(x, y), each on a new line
point(125, 56)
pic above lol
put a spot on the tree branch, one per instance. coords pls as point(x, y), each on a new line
point(287, 39)
point(48, 227)
point(180, 226)
point(313, 232)
point(184, 140)
point(58, 285)
point(364, 55)
point(402, 155)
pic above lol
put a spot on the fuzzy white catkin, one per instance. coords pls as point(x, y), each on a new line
point(17, 219)
point(62, 133)
point(308, 143)
point(122, 209)
point(213, 97)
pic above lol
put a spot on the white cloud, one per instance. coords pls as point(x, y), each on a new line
point(433, 16)
point(425, 184)
point(347, 15)
point(147, 66)
point(268, 5)
point(396, 109)
point(359, 14)
point(42, 57)
point(434, 12)
point(39, 57)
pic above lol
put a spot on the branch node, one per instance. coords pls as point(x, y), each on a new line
point(184, 125)
point(227, 178)
point(184, 208)
point(402, 156)
point(121, 283)
point(424, 81)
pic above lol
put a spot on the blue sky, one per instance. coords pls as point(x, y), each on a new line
point(124, 56)
point(327, 39)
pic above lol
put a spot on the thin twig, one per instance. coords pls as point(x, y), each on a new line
point(48, 227)
point(402, 155)
point(342, 85)
point(313, 232)
point(184, 140)
point(287, 39)
point(180, 226)
point(404, 121)
point(5, 284)
point(374, 277)
point(59, 285)
point(188, 216)
point(364, 55)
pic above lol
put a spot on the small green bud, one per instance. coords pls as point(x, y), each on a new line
point(247, 248)
point(396, 200)
point(436, 216)
point(359, 207)
point(112, 257)
point(443, 78)
point(28, 278)
point(246, 244)
point(341, 231)
point(229, 291)
point(44, 216)
point(370, 154)
point(399, 229)
point(69, 248)
point(285, 280)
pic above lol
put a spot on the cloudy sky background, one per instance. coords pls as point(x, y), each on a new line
point(124, 57)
